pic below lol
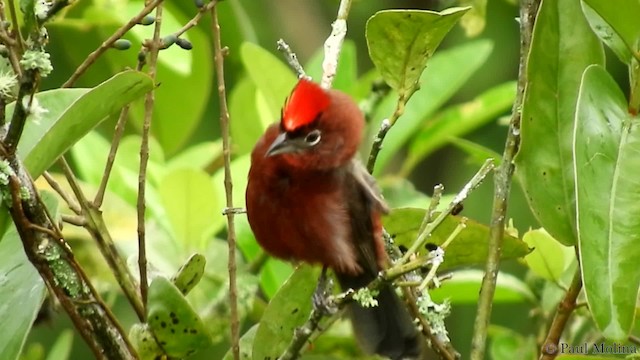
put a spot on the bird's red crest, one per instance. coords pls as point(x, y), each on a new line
point(306, 102)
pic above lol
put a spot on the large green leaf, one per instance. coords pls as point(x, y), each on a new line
point(469, 248)
point(246, 124)
point(563, 45)
point(176, 326)
point(616, 24)
point(548, 259)
point(21, 294)
point(286, 311)
point(464, 288)
point(459, 120)
point(21, 289)
point(71, 113)
point(448, 70)
point(401, 41)
point(191, 205)
point(270, 75)
point(607, 159)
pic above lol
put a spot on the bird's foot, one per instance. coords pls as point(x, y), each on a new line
point(321, 299)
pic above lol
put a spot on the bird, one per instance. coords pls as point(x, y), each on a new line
point(309, 199)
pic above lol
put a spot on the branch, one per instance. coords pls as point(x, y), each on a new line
point(292, 59)
point(475, 181)
point(228, 183)
point(333, 44)
point(109, 42)
point(98, 230)
point(502, 187)
point(387, 124)
point(153, 47)
point(549, 349)
point(51, 256)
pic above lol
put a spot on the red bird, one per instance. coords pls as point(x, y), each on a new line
point(309, 200)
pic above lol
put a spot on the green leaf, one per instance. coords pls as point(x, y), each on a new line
point(62, 347)
point(555, 65)
point(71, 114)
point(272, 77)
point(401, 41)
point(469, 248)
point(176, 326)
point(286, 311)
point(247, 125)
point(607, 149)
point(21, 289)
point(464, 288)
point(616, 25)
point(508, 344)
point(478, 154)
point(143, 341)
point(192, 206)
point(548, 259)
point(197, 156)
point(459, 120)
point(246, 345)
point(190, 273)
point(448, 70)
point(474, 21)
point(274, 273)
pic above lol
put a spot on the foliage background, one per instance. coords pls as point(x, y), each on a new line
point(186, 115)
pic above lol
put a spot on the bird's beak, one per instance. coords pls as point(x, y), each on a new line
point(281, 145)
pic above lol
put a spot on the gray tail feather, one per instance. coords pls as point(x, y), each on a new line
point(386, 329)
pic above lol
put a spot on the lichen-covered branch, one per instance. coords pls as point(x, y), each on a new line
point(48, 252)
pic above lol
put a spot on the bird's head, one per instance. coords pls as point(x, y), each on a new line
point(318, 128)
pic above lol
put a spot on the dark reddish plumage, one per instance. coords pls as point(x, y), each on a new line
point(309, 200)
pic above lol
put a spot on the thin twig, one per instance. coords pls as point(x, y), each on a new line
point(196, 19)
point(115, 143)
point(153, 47)
point(461, 196)
point(292, 59)
point(438, 189)
point(10, 43)
point(228, 183)
point(502, 187)
point(549, 349)
point(73, 205)
point(431, 275)
point(387, 124)
point(333, 44)
point(98, 230)
point(16, 28)
point(74, 220)
point(106, 45)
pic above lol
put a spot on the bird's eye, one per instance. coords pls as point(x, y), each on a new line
point(312, 138)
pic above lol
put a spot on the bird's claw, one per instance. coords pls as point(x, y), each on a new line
point(321, 299)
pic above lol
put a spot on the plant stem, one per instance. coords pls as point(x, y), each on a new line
point(475, 181)
point(502, 187)
point(292, 59)
point(228, 183)
point(107, 43)
point(153, 47)
point(549, 349)
point(333, 44)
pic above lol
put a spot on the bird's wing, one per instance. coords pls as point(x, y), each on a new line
point(369, 186)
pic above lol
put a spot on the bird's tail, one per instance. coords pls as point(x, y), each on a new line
point(386, 329)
